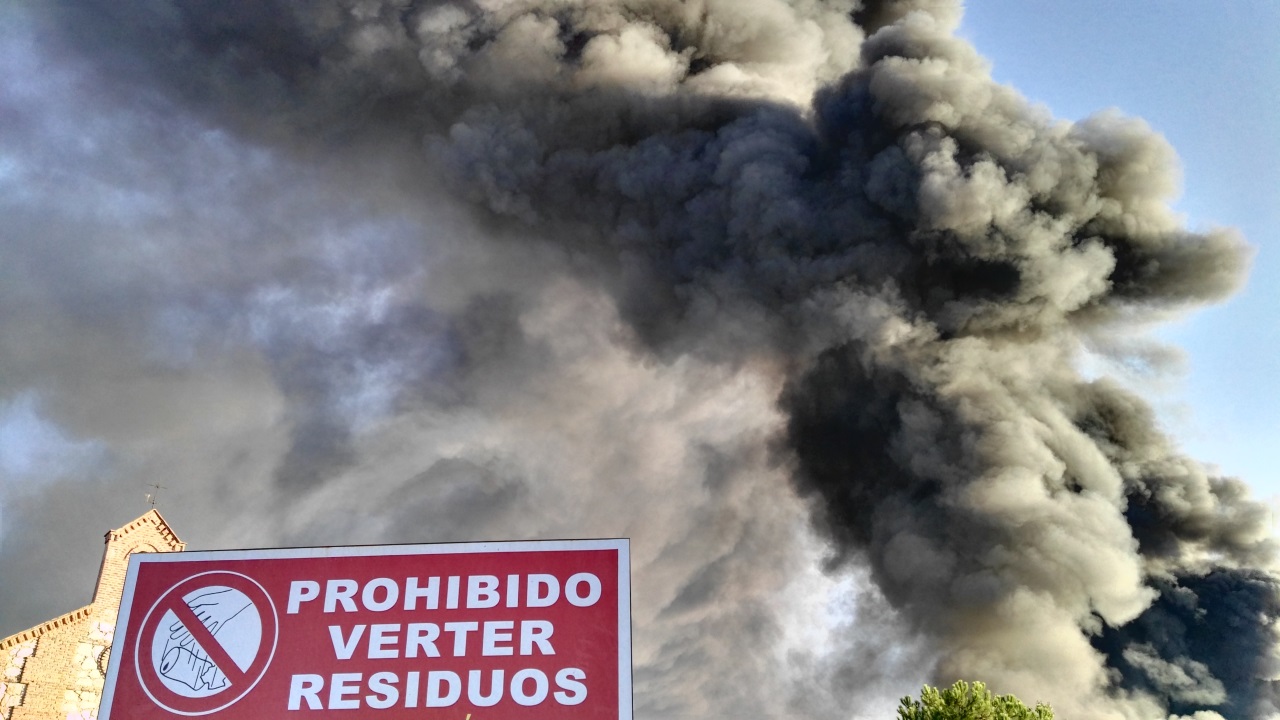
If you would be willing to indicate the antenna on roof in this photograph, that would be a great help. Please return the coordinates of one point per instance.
(151, 496)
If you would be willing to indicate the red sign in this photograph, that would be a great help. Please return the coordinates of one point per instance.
(494, 631)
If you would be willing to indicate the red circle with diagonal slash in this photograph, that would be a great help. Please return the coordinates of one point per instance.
(240, 682)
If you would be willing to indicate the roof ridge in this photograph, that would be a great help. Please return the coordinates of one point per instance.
(44, 627)
(153, 517)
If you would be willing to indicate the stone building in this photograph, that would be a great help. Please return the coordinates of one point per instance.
(55, 671)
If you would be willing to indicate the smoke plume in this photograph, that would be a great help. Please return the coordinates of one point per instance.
(791, 292)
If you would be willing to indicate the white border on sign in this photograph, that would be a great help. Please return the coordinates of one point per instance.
(621, 545)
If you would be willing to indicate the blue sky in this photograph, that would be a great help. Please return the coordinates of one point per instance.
(1206, 76)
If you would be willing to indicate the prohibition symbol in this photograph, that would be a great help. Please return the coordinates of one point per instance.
(206, 643)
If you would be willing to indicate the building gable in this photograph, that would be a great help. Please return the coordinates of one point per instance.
(55, 670)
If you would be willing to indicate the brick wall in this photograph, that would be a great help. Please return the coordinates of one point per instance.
(55, 670)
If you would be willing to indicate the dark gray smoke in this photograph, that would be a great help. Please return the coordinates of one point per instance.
(747, 243)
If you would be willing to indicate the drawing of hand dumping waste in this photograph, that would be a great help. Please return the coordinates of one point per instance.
(227, 618)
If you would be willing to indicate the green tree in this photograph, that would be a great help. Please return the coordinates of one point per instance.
(963, 701)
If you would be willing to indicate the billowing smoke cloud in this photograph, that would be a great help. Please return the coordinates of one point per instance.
(690, 272)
